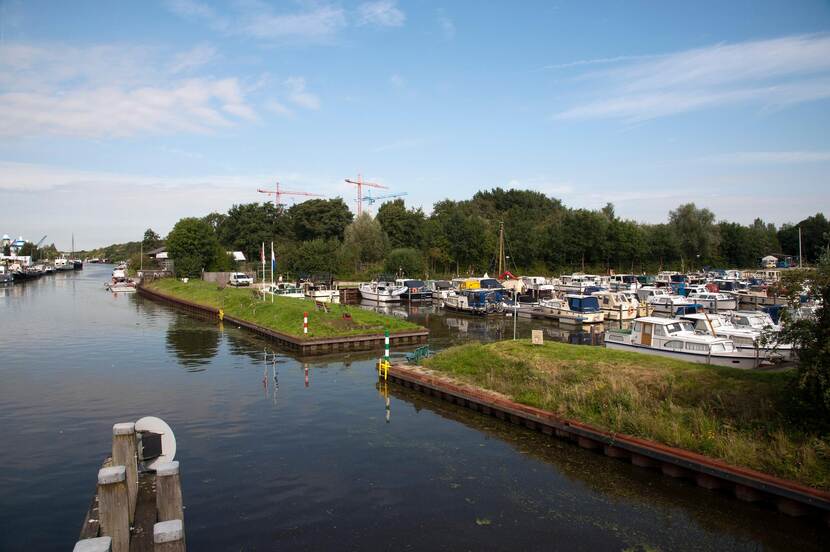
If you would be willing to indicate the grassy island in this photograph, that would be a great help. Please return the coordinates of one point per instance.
(285, 314)
(734, 415)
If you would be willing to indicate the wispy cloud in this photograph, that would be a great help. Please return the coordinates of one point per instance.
(109, 90)
(446, 24)
(767, 73)
(383, 13)
(770, 157)
(192, 59)
(310, 22)
(398, 145)
(298, 95)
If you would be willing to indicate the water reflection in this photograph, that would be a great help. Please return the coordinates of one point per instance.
(614, 486)
(192, 341)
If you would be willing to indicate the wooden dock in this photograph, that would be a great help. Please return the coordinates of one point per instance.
(312, 346)
(745, 484)
(132, 511)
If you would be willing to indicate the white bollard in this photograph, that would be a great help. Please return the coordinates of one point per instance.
(168, 536)
(98, 544)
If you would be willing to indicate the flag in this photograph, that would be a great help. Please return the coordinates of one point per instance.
(263, 254)
(273, 263)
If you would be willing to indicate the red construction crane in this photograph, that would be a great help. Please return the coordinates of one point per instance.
(359, 183)
(278, 193)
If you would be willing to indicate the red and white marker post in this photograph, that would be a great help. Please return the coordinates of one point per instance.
(305, 323)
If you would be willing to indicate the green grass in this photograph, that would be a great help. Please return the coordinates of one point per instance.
(285, 314)
(735, 415)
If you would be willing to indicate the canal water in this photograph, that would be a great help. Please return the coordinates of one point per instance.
(283, 453)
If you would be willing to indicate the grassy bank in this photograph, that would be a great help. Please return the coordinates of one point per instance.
(735, 415)
(284, 314)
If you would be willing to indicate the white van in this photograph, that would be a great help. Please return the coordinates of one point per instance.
(240, 279)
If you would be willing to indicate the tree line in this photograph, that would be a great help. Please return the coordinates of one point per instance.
(542, 236)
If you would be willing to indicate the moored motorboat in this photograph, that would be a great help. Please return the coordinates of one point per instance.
(416, 290)
(758, 343)
(715, 301)
(476, 301)
(381, 291)
(677, 339)
(573, 309)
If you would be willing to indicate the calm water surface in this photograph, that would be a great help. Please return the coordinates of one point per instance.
(270, 462)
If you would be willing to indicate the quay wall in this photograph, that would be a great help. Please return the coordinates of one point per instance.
(745, 484)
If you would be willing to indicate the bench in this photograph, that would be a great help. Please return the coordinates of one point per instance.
(416, 356)
(321, 306)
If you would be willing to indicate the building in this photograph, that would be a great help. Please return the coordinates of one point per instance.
(769, 261)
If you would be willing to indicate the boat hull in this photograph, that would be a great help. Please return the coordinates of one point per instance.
(743, 362)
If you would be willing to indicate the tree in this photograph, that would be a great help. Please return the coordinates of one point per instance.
(7, 250)
(151, 240)
(696, 232)
(810, 336)
(319, 218)
(365, 242)
(815, 237)
(246, 227)
(316, 257)
(192, 246)
(405, 228)
(406, 260)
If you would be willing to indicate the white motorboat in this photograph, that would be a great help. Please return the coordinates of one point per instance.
(321, 292)
(381, 291)
(577, 283)
(284, 289)
(575, 309)
(122, 286)
(440, 289)
(63, 264)
(617, 305)
(671, 305)
(715, 301)
(677, 339)
(5, 276)
(747, 340)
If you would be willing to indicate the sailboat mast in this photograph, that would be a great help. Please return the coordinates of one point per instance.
(501, 251)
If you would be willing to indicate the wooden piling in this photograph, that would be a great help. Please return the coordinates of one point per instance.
(124, 453)
(169, 492)
(114, 506)
(168, 536)
(97, 544)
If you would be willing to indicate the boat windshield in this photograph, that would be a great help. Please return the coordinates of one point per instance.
(583, 304)
(675, 327)
(413, 283)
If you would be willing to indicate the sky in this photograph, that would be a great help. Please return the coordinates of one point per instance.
(119, 116)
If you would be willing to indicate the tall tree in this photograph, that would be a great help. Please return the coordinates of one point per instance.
(192, 246)
(696, 232)
(151, 240)
(365, 242)
(405, 228)
(320, 218)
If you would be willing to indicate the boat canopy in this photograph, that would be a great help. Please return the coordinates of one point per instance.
(580, 303)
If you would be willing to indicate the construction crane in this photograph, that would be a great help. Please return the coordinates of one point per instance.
(370, 200)
(37, 245)
(278, 193)
(359, 183)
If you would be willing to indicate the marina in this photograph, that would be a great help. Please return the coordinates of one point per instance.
(189, 367)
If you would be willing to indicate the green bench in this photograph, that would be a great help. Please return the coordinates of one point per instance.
(416, 356)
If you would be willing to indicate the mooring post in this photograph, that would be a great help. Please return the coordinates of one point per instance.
(124, 452)
(98, 544)
(168, 536)
(114, 506)
(169, 491)
(305, 323)
(386, 346)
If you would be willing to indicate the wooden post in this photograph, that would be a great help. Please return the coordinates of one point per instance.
(169, 492)
(114, 506)
(124, 453)
(98, 544)
(168, 536)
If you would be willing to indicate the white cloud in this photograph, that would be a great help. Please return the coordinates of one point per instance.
(383, 13)
(298, 95)
(257, 19)
(113, 90)
(193, 58)
(767, 73)
(277, 107)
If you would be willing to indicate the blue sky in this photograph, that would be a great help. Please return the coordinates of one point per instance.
(117, 116)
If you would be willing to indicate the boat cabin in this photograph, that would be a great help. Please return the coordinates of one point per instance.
(582, 303)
